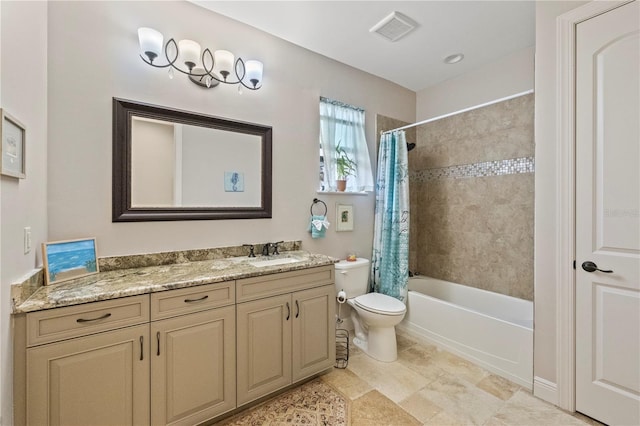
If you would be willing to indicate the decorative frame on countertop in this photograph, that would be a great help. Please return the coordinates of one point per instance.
(13, 148)
(344, 217)
(76, 266)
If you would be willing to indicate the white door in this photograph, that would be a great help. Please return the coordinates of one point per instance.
(608, 216)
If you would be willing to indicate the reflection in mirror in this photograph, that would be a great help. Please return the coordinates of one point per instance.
(177, 165)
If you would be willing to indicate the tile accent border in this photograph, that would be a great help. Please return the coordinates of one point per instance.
(484, 169)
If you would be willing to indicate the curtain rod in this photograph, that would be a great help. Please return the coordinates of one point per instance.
(429, 120)
(339, 103)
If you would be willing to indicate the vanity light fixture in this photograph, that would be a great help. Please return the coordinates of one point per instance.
(204, 68)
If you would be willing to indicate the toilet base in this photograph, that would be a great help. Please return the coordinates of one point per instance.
(380, 344)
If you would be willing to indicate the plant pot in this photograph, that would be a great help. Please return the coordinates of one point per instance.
(341, 184)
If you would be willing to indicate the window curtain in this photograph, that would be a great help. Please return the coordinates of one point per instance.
(390, 258)
(344, 124)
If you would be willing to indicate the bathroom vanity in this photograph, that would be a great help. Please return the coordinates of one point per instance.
(172, 344)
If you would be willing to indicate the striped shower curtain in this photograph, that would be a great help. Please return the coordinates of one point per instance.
(390, 259)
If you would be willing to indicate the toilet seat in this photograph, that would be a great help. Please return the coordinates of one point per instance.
(380, 304)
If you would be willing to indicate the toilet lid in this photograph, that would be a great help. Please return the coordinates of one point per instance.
(380, 303)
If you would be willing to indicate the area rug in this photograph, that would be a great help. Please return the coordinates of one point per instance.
(314, 403)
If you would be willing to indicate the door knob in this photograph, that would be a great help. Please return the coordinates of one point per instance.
(592, 267)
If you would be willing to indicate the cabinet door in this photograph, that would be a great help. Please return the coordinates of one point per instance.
(314, 346)
(100, 378)
(193, 367)
(264, 346)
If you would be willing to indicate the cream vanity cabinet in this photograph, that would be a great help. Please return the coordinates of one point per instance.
(193, 357)
(177, 357)
(79, 373)
(91, 363)
(285, 330)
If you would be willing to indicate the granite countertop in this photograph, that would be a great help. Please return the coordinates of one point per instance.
(151, 279)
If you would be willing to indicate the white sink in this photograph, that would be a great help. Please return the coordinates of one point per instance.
(274, 262)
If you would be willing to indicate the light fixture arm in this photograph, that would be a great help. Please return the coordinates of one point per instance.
(208, 65)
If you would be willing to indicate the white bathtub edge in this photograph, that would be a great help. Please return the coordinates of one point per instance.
(545, 390)
(429, 337)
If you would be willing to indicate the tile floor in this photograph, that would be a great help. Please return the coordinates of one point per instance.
(429, 386)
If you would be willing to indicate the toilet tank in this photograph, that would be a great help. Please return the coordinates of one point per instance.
(352, 277)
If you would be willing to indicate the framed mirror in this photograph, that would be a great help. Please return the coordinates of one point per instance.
(170, 164)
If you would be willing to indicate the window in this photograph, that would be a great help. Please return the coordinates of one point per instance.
(343, 147)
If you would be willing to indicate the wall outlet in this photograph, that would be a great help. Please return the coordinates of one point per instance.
(27, 239)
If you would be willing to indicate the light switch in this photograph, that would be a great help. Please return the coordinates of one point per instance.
(27, 239)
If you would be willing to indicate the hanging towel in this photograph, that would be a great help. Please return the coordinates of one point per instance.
(318, 226)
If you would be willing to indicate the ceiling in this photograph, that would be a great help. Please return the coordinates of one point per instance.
(483, 31)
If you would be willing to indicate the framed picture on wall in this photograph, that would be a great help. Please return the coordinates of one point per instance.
(344, 217)
(13, 146)
(65, 260)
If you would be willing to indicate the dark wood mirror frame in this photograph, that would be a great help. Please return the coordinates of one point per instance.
(123, 111)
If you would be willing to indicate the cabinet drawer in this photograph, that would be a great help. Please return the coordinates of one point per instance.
(64, 323)
(172, 303)
(286, 282)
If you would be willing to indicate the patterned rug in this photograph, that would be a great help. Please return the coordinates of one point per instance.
(314, 403)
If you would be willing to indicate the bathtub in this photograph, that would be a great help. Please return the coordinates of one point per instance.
(489, 329)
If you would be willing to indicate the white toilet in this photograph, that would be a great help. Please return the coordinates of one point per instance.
(374, 315)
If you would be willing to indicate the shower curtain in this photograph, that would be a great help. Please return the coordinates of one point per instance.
(390, 259)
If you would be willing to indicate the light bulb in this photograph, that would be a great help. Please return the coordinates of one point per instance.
(189, 53)
(254, 72)
(223, 60)
(150, 42)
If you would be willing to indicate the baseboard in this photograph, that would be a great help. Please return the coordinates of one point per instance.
(545, 390)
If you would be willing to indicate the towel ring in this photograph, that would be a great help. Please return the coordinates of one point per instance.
(316, 201)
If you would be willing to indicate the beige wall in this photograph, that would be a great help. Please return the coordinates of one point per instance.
(544, 362)
(23, 202)
(476, 231)
(86, 72)
(504, 77)
(153, 157)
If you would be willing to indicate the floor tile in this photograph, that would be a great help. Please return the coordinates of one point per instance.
(460, 367)
(444, 419)
(430, 386)
(373, 408)
(525, 409)
(462, 401)
(498, 386)
(348, 383)
(405, 341)
(420, 359)
(420, 407)
(392, 379)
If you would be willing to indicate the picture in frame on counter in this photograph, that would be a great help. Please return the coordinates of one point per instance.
(66, 260)
(344, 217)
(13, 146)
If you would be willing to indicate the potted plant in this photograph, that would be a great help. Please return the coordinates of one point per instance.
(345, 166)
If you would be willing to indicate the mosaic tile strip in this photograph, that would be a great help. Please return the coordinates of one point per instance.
(487, 168)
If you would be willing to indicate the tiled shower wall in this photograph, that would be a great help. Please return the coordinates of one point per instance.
(472, 198)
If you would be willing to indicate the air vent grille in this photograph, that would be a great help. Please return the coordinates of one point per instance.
(394, 27)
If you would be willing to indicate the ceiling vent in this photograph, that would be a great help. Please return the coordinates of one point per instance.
(394, 27)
